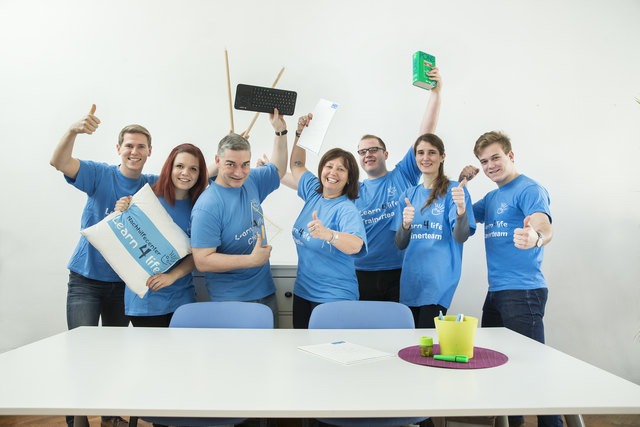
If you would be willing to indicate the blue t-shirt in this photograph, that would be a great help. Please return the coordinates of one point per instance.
(377, 202)
(324, 273)
(503, 210)
(230, 220)
(182, 291)
(433, 259)
(104, 185)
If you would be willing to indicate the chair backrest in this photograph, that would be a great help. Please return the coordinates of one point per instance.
(361, 315)
(228, 314)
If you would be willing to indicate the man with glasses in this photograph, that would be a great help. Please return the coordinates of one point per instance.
(379, 271)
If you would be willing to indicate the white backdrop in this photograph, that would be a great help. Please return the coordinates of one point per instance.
(558, 77)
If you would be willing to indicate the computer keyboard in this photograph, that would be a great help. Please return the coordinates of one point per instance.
(265, 99)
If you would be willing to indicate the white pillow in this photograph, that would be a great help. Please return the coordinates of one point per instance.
(140, 242)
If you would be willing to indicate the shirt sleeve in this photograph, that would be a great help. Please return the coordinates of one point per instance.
(307, 185)
(534, 199)
(267, 180)
(408, 168)
(206, 228)
(350, 222)
(478, 210)
(88, 176)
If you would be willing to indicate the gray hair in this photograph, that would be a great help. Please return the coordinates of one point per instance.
(234, 142)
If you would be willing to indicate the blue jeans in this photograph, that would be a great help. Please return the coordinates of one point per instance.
(520, 310)
(89, 300)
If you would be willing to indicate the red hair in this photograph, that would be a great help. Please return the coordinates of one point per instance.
(164, 186)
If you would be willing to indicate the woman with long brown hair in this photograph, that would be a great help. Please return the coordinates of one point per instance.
(434, 224)
(182, 179)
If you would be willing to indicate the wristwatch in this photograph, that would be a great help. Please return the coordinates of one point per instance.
(540, 240)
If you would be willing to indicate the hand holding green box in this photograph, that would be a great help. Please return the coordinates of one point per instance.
(422, 64)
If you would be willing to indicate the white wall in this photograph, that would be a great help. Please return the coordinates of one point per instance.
(558, 77)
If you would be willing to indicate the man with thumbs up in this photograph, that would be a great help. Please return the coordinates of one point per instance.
(95, 291)
(517, 226)
(227, 224)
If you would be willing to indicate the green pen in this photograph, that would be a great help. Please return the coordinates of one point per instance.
(459, 358)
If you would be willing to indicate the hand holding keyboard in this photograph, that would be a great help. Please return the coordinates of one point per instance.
(265, 99)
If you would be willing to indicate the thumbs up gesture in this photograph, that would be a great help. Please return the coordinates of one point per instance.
(260, 253)
(317, 229)
(457, 194)
(88, 124)
(525, 237)
(408, 214)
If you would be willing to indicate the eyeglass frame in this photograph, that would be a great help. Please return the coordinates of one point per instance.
(372, 150)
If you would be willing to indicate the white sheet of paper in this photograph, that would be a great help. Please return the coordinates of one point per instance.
(312, 136)
(344, 352)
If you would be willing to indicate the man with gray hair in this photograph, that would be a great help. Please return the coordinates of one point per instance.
(227, 224)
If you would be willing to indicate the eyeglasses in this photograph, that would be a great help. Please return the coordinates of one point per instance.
(371, 150)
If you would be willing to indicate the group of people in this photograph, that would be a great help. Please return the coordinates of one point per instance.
(390, 237)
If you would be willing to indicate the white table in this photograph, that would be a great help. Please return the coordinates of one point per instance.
(262, 374)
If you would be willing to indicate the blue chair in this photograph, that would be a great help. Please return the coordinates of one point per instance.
(361, 315)
(228, 314)
(364, 315)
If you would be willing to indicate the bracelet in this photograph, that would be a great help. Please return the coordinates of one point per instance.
(334, 238)
(284, 132)
(298, 134)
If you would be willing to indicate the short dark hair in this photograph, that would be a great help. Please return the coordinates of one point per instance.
(353, 172)
(367, 136)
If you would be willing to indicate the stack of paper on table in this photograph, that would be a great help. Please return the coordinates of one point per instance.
(345, 352)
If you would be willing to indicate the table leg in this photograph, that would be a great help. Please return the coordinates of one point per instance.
(502, 421)
(574, 420)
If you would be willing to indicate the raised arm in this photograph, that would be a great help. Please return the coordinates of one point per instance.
(299, 155)
(209, 260)
(432, 112)
(62, 158)
(279, 154)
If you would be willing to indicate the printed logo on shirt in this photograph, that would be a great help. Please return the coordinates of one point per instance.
(385, 211)
(496, 229)
(503, 207)
(438, 208)
(392, 192)
(428, 230)
(300, 234)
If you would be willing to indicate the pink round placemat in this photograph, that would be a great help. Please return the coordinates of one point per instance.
(482, 358)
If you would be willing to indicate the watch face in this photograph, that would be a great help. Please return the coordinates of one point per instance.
(539, 241)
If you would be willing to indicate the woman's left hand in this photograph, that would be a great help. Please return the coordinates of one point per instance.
(159, 281)
(457, 194)
(317, 230)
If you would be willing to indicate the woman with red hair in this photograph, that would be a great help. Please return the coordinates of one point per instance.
(182, 179)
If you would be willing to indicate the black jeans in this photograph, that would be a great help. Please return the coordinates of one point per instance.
(382, 285)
